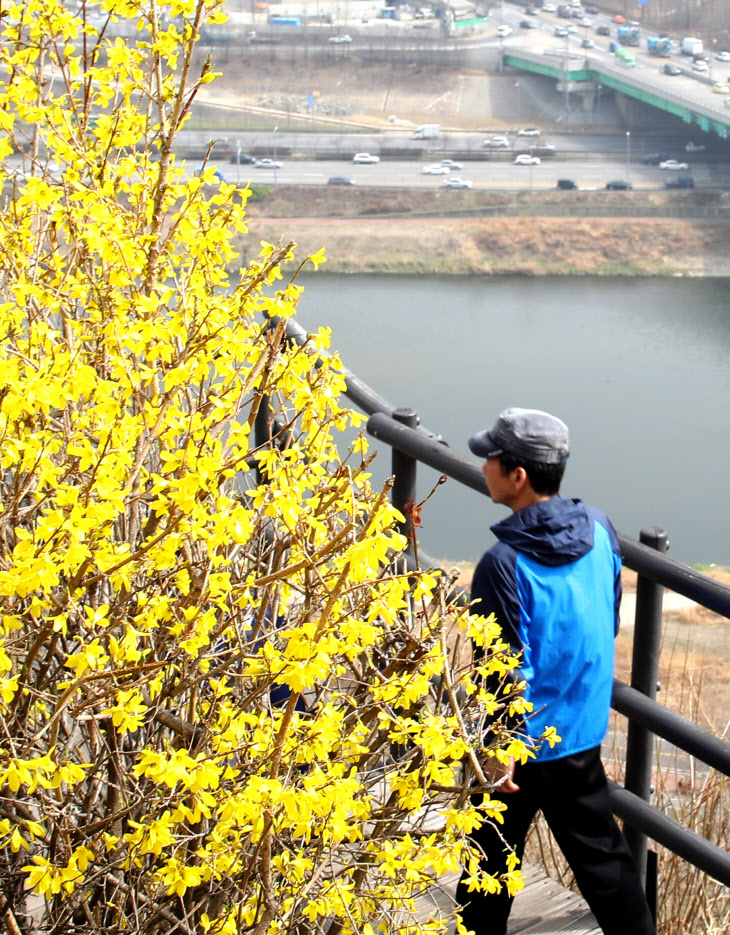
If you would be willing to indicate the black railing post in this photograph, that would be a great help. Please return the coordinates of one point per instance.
(644, 675)
(404, 472)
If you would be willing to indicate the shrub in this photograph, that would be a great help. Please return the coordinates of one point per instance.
(223, 706)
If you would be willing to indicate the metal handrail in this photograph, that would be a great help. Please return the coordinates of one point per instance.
(655, 570)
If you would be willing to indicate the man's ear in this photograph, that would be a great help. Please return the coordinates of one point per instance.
(520, 479)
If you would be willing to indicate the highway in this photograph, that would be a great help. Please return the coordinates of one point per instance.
(488, 175)
(691, 86)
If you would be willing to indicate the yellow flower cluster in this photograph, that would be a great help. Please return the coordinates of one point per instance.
(220, 709)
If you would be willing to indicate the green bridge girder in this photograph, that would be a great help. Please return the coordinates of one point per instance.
(606, 80)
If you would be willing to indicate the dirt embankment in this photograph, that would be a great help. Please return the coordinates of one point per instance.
(411, 231)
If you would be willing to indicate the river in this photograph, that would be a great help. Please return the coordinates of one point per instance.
(638, 368)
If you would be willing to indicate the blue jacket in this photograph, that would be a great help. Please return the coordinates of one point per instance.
(553, 583)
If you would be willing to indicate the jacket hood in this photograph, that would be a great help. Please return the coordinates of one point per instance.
(553, 532)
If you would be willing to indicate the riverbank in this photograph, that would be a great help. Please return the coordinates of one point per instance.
(406, 231)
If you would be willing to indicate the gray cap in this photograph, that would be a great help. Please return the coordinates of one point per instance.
(524, 433)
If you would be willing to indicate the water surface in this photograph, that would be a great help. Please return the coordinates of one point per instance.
(636, 367)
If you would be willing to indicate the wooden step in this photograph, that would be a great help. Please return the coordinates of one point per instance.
(543, 907)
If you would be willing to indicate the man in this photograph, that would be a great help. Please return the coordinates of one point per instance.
(553, 583)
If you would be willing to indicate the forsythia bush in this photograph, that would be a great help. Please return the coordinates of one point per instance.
(223, 708)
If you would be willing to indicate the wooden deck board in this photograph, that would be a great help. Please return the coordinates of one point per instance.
(543, 907)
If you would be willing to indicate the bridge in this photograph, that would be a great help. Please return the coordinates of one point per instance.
(588, 72)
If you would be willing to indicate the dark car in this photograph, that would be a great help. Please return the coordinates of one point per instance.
(682, 181)
(619, 185)
(566, 184)
(603, 31)
(672, 70)
(591, 10)
(340, 180)
(243, 159)
(528, 24)
(701, 57)
(654, 159)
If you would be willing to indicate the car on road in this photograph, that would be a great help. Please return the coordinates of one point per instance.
(528, 24)
(549, 7)
(681, 181)
(435, 169)
(340, 180)
(719, 88)
(592, 10)
(340, 40)
(531, 11)
(450, 164)
(504, 30)
(694, 147)
(673, 165)
(525, 159)
(457, 183)
(672, 69)
(618, 19)
(572, 29)
(723, 56)
(654, 159)
(497, 142)
(536, 149)
(243, 159)
(603, 31)
(619, 185)
(700, 66)
(528, 131)
(585, 22)
(566, 184)
(267, 164)
(365, 159)
(587, 43)
(560, 31)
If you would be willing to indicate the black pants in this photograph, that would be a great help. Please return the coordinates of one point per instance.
(572, 794)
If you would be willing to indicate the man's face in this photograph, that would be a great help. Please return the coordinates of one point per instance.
(497, 483)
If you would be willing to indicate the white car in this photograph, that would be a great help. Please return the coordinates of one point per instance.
(548, 7)
(723, 56)
(497, 142)
(340, 40)
(528, 131)
(267, 164)
(503, 31)
(524, 159)
(365, 159)
(435, 169)
(450, 164)
(673, 164)
(695, 147)
(587, 23)
(699, 66)
(457, 183)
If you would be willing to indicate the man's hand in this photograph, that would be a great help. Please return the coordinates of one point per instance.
(501, 775)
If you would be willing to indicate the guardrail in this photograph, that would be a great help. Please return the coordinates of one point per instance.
(411, 444)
